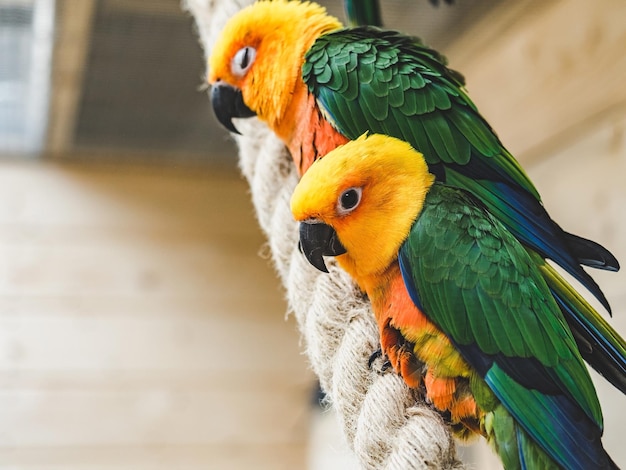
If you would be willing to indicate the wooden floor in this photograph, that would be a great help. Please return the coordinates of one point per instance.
(139, 327)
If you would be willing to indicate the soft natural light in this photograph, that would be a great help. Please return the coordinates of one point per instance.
(26, 38)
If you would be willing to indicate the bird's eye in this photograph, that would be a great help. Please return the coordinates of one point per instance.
(242, 61)
(349, 200)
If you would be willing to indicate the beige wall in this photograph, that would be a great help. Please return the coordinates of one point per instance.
(139, 327)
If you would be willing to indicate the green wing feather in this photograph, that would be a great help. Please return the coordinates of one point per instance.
(479, 284)
(377, 73)
(474, 280)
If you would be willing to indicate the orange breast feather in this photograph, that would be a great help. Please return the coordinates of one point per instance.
(306, 132)
(423, 355)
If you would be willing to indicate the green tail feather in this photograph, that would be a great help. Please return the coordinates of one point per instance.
(599, 344)
(512, 444)
(506, 438)
(363, 12)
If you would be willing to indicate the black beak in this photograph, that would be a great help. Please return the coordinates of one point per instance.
(227, 104)
(318, 240)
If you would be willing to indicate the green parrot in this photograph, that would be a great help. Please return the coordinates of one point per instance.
(462, 307)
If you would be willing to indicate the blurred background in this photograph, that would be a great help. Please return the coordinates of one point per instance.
(141, 323)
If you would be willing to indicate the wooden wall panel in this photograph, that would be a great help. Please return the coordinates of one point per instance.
(542, 72)
(139, 327)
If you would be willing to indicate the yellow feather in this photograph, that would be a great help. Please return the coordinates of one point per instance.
(281, 32)
(394, 179)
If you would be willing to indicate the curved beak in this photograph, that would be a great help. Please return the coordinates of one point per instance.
(318, 240)
(227, 104)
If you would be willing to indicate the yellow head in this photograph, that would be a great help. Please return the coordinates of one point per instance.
(260, 53)
(370, 191)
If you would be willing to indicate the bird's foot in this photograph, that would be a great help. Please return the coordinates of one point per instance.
(378, 354)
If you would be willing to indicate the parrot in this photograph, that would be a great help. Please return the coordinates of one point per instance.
(318, 85)
(462, 307)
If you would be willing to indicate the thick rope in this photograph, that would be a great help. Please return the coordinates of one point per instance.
(385, 423)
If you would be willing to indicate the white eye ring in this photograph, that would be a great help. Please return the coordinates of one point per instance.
(243, 60)
(349, 200)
